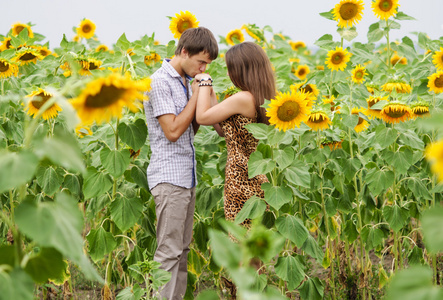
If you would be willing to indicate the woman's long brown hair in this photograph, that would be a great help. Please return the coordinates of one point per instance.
(250, 70)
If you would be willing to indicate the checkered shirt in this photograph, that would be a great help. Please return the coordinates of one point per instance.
(171, 162)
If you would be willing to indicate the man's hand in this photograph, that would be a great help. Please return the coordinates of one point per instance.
(200, 76)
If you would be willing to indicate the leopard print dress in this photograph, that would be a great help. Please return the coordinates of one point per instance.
(238, 186)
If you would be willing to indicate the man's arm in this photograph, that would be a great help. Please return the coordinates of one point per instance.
(175, 125)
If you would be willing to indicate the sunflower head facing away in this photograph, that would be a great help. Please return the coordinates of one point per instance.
(18, 27)
(434, 154)
(337, 59)
(362, 123)
(288, 110)
(181, 22)
(7, 68)
(435, 82)
(318, 120)
(6, 43)
(348, 12)
(86, 29)
(302, 71)
(235, 37)
(383, 9)
(253, 31)
(372, 88)
(396, 112)
(105, 97)
(437, 59)
(420, 108)
(375, 113)
(297, 45)
(358, 74)
(152, 58)
(89, 64)
(27, 55)
(400, 86)
(36, 101)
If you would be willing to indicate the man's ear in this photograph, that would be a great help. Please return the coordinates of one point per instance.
(184, 53)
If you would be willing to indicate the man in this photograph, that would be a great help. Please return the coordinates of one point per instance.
(171, 173)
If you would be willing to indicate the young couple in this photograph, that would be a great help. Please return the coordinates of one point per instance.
(174, 112)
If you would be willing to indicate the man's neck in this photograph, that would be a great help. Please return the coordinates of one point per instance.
(175, 62)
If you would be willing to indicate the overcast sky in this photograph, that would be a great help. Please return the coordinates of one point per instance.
(299, 19)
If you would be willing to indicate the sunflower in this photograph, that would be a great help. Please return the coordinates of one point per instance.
(434, 154)
(318, 120)
(302, 71)
(105, 97)
(181, 22)
(235, 37)
(337, 59)
(76, 38)
(362, 123)
(358, 74)
(348, 12)
(397, 59)
(319, 67)
(86, 29)
(232, 90)
(383, 9)
(83, 131)
(44, 51)
(152, 59)
(101, 47)
(396, 112)
(372, 88)
(288, 110)
(400, 86)
(437, 59)
(420, 108)
(252, 31)
(88, 65)
(7, 69)
(297, 45)
(310, 88)
(27, 55)
(435, 82)
(37, 100)
(375, 113)
(294, 60)
(333, 145)
(18, 27)
(6, 44)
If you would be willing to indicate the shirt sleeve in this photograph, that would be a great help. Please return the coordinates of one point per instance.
(160, 97)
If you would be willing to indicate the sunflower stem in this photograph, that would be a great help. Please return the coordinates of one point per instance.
(388, 44)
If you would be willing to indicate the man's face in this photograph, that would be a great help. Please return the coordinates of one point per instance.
(195, 64)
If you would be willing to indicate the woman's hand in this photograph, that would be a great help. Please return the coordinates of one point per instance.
(200, 76)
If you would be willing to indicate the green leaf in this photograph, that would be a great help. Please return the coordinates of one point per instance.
(396, 216)
(411, 139)
(139, 176)
(284, 157)
(200, 234)
(7, 255)
(298, 174)
(379, 180)
(431, 223)
(401, 160)
(253, 208)
(131, 293)
(313, 249)
(16, 169)
(134, 134)
(293, 229)
(72, 183)
(419, 189)
(100, 243)
(257, 165)
(123, 43)
(385, 136)
(56, 224)
(290, 270)
(16, 285)
(348, 33)
(350, 121)
(46, 264)
(96, 183)
(312, 289)
(125, 212)
(375, 33)
(49, 180)
(224, 251)
(328, 15)
(325, 42)
(373, 236)
(402, 16)
(414, 283)
(115, 161)
(276, 196)
(259, 130)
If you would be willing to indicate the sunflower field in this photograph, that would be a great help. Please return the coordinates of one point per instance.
(354, 158)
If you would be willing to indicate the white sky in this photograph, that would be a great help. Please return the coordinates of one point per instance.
(299, 19)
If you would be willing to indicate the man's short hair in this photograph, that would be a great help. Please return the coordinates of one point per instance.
(196, 40)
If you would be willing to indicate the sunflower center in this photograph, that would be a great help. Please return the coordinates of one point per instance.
(337, 58)
(396, 113)
(3, 67)
(348, 11)
(106, 97)
(301, 72)
(19, 28)
(86, 28)
(372, 102)
(385, 5)
(288, 111)
(237, 37)
(308, 88)
(40, 99)
(92, 66)
(8, 44)
(27, 56)
(183, 25)
(439, 81)
(320, 118)
(359, 74)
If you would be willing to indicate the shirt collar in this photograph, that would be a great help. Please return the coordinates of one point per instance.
(170, 69)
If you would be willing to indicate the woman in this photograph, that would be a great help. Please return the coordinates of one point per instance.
(249, 70)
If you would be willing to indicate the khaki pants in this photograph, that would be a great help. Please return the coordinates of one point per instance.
(174, 207)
